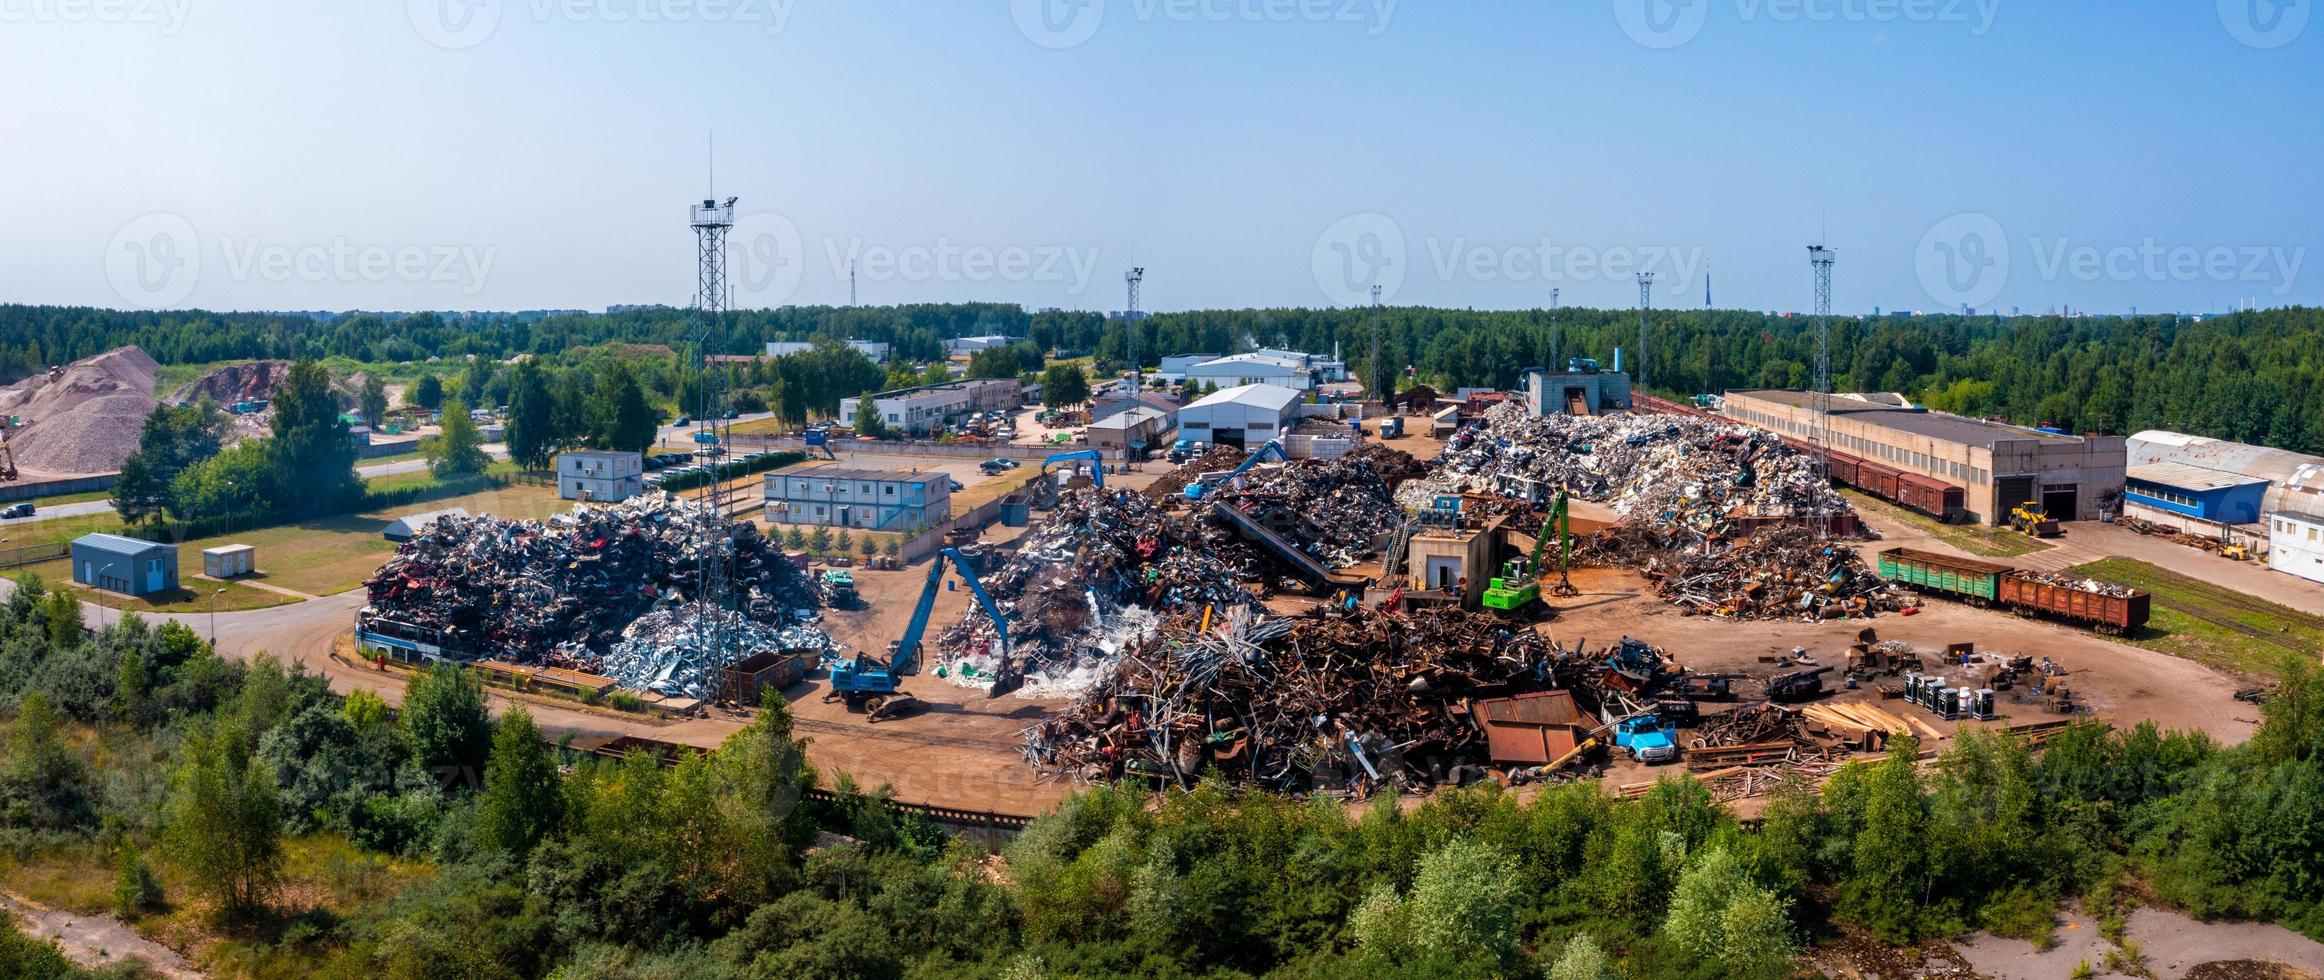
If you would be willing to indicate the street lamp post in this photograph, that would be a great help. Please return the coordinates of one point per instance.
(214, 619)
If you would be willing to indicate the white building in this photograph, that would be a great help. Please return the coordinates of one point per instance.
(1136, 427)
(876, 500)
(1295, 371)
(876, 350)
(1249, 415)
(599, 475)
(2296, 544)
(965, 346)
(921, 410)
(1175, 366)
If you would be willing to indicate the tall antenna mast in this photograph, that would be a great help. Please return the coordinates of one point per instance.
(1645, 300)
(1380, 381)
(1556, 339)
(711, 221)
(1821, 259)
(1132, 278)
(851, 282)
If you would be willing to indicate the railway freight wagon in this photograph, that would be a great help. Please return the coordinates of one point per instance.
(1983, 583)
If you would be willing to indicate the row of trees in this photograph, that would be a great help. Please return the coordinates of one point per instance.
(138, 748)
(182, 469)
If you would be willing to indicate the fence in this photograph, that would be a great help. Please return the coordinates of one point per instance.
(33, 554)
(55, 488)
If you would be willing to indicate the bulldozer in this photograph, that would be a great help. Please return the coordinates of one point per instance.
(2034, 520)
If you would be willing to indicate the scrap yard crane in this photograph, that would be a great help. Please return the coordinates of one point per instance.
(1097, 461)
(1519, 584)
(873, 685)
(1203, 483)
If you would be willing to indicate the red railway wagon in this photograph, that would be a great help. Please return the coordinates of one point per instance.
(1942, 501)
(1877, 480)
(1846, 468)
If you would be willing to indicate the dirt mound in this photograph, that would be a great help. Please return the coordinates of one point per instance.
(255, 381)
(84, 418)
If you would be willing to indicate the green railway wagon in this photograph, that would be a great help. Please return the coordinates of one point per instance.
(1967, 578)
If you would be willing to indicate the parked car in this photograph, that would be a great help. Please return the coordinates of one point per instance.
(684, 420)
(957, 486)
(15, 511)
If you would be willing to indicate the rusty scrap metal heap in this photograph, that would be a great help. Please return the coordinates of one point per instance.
(562, 591)
(1774, 573)
(1394, 465)
(2078, 583)
(1069, 589)
(1334, 509)
(1662, 468)
(1305, 704)
(1213, 460)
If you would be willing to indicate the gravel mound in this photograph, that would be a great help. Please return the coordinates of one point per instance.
(87, 418)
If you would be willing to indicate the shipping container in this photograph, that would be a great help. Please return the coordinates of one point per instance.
(1966, 578)
(1937, 499)
(2110, 614)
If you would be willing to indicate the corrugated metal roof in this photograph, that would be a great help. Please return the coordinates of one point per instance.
(1935, 425)
(1274, 398)
(1126, 419)
(114, 544)
(2193, 478)
(2261, 462)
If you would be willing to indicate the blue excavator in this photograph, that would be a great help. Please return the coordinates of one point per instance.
(1096, 460)
(874, 685)
(1203, 483)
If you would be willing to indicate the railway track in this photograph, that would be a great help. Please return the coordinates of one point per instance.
(2202, 600)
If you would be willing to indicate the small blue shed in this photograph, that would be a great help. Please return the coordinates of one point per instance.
(125, 565)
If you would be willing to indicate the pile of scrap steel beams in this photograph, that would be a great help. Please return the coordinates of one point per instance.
(1087, 581)
(1313, 704)
(1337, 510)
(562, 592)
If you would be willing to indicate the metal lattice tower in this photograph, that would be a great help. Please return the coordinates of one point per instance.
(1380, 382)
(1821, 258)
(1556, 339)
(1645, 302)
(711, 221)
(1134, 278)
(851, 284)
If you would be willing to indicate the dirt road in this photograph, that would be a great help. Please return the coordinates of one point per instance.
(97, 941)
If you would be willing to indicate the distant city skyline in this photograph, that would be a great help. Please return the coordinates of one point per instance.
(525, 154)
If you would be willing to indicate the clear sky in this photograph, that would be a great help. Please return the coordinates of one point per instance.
(517, 154)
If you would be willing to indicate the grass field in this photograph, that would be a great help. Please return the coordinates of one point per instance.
(2211, 624)
(1991, 542)
(318, 557)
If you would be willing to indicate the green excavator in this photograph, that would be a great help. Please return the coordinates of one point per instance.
(1518, 586)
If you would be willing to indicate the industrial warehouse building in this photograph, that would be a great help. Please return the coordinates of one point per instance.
(919, 411)
(879, 500)
(1580, 389)
(876, 350)
(1996, 467)
(1135, 428)
(125, 565)
(2270, 499)
(600, 476)
(1247, 416)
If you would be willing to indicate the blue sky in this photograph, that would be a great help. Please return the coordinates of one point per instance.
(472, 154)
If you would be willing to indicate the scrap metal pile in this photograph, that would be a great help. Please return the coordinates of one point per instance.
(1662, 468)
(1306, 704)
(1774, 573)
(1086, 583)
(1216, 459)
(2077, 583)
(679, 650)
(566, 592)
(1334, 509)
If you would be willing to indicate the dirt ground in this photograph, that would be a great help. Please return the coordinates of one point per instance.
(2175, 947)
(96, 941)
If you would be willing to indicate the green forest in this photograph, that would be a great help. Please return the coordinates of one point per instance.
(279, 829)
(2254, 377)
